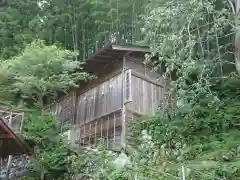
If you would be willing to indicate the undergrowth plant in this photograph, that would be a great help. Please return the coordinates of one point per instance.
(99, 163)
(192, 43)
(40, 72)
(51, 153)
(205, 138)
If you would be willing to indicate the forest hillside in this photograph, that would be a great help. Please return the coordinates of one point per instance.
(43, 45)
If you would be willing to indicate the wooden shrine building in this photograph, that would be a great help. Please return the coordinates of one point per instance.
(11, 141)
(124, 89)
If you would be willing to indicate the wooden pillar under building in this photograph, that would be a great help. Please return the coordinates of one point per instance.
(89, 134)
(123, 134)
(114, 131)
(95, 131)
(107, 136)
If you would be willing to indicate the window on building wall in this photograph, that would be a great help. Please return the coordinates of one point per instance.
(128, 87)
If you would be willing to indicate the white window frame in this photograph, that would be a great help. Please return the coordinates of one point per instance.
(128, 89)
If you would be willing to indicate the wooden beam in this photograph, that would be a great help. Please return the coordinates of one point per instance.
(134, 73)
(123, 119)
(115, 53)
(96, 119)
(103, 56)
(130, 48)
(135, 112)
(102, 62)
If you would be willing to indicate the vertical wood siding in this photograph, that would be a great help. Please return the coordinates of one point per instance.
(146, 96)
(100, 100)
(137, 66)
(107, 127)
(64, 110)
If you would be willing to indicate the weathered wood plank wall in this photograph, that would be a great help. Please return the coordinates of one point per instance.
(67, 108)
(135, 62)
(107, 127)
(100, 100)
(147, 97)
(148, 87)
(64, 110)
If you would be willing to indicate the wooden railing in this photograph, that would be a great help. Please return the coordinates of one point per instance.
(13, 118)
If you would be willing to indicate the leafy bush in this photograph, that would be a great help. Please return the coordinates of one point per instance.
(41, 71)
(51, 153)
(208, 131)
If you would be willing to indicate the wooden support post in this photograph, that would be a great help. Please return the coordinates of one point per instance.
(101, 126)
(80, 137)
(143, 98)
(96, 132)
(152, 100)
(107, 131)
(114, 130)
(21, 125)
(83, 135)
(94, 99)
(123, 105)
(89, 134)
(9, 165)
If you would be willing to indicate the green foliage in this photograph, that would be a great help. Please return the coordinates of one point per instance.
(93, 163)
(204, 137)
(80, 25)
(100, 163)
(15, 33)
(38, 132)
(193, 42)
(51, 155)
(41, 71)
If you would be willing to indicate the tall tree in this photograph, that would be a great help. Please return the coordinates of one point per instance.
(88, 25)
(78, 25)
(16, 18)
(41, 71)
(193, 41)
